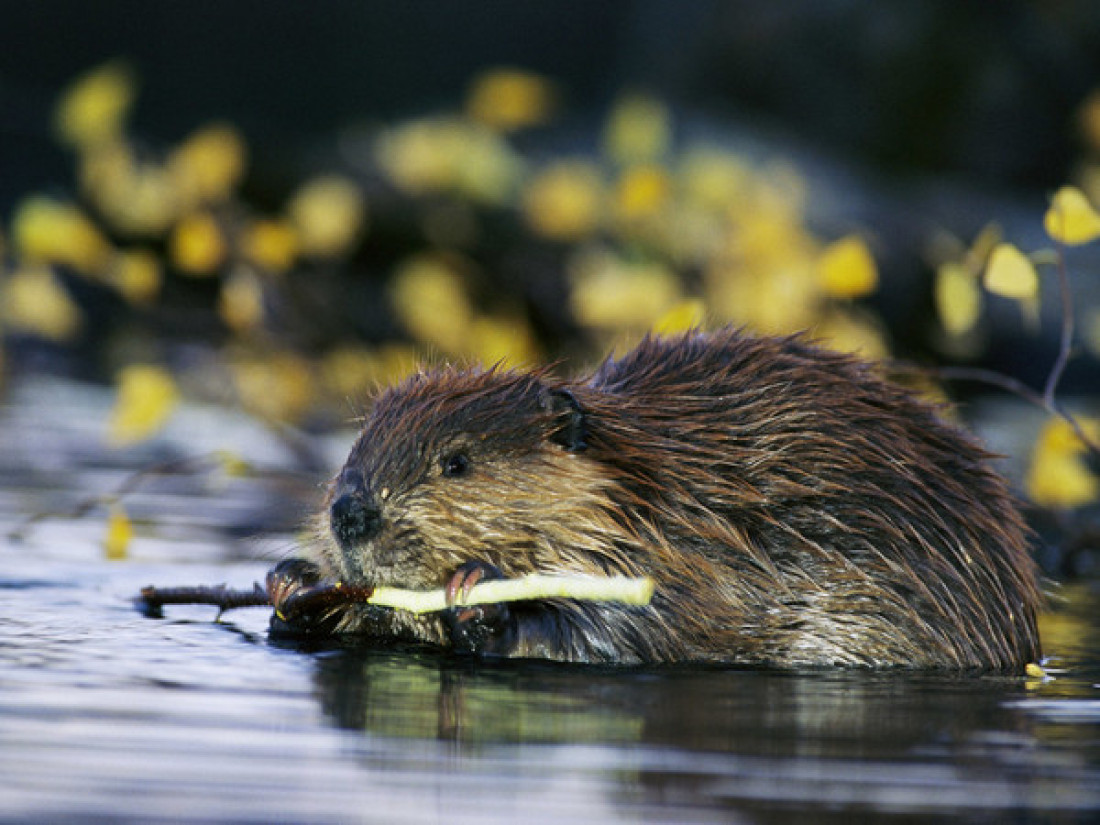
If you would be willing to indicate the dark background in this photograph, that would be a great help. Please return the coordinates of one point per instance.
(984, 91)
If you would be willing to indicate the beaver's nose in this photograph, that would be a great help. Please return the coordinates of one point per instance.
(353, 515)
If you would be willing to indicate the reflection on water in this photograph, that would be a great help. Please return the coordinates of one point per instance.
(107, 716)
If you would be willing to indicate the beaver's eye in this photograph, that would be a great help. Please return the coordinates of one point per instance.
(456, 464)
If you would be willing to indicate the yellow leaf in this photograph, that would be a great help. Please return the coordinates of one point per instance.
(93, 108)
(1035, 671)
(275, 387)
(135, 197)
(448, 153)
(209, 164)
(639, 130)
(350, 373)
(120, 532)
(510, 99)
(430, 297)
(136, 275)
(328, 214)
(1058, 475)
(241, 302)
(51, 231)
(641, 192)
(851, 332)
(502, 338)
(1071, 219)
(33, 300)
(1062, 482)
(847, 270)
(197, 246)
(957, 297)
(1011, 274)
(683, 316)
(565, 200)
(712, 178)
(272, 245)
(1058, 437)
(147, 397)
(613, 294)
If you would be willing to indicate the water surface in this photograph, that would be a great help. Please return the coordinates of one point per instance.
(108, 716)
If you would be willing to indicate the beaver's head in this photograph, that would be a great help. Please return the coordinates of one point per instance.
(454, 466)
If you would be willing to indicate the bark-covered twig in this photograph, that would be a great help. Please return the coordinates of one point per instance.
(324, 596)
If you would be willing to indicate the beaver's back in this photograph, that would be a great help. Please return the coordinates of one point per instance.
(802, 510)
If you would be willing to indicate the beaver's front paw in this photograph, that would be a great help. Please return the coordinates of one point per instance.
(483, 629)
(285, 580)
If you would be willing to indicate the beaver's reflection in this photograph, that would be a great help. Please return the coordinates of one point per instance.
(849, 714)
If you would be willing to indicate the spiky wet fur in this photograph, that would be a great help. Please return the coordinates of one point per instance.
(793, 508)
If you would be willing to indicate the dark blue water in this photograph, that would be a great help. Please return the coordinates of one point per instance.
(108, 716)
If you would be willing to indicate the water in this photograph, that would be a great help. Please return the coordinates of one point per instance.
(108, 716)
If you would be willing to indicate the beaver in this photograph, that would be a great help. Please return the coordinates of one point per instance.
(793, 507)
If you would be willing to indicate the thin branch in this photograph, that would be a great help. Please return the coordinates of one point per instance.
(152, 599)
(1065, 345)
(1014, 386)
(327, 595)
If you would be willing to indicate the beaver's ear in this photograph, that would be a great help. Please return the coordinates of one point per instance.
(569, 423)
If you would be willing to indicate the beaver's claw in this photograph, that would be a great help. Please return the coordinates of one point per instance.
(481, 628)
(283, 581)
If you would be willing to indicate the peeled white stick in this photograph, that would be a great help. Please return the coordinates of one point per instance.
(621, 589)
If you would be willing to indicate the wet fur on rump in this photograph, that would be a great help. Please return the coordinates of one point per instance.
(793, 508)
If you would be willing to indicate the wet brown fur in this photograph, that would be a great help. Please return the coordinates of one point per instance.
(793, 508)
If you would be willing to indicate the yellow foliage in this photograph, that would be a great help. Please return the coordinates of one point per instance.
(271, 244)
(430, 297)
(957, 297)
(686, 314)
(449, 154)
(1058, 475)
(642, 192)
(564, 202)
(1033, 670)
(781, 298)
(984, 243)
(510, 99)
(209, 164)
(328, 214)
(613, 294)
(353, 372)
(847, 269)
(136, 274)
(275, 387)
(502, 338)
(136, 198)
(767, 275)
(852, 332)
(241, 301)
(120, 532)
(1071, 219)
(93, 108)
(33, 300)
(197, 246)
(1011, 274)
(712, 179)
(638, 130)
(50, 231)
(146, 398)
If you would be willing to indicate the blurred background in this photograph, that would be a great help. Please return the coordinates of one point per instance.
(281, 206)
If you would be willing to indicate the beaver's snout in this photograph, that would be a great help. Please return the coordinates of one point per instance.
(354, 516)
